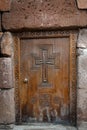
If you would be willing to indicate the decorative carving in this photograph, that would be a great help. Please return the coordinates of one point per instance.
(16, 67)
(57, 100)
(34, 100)
(45, 100)
(73, 38)
(45, 60)
(47, 34)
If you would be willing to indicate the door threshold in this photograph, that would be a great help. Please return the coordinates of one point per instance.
(43, 126)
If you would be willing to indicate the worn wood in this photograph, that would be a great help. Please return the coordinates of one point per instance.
(45, 72)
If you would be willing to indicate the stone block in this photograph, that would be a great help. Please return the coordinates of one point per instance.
(82, 105)
(7, 44)
(7, 106)
(1, 35)
(0, 21)
(82, 59)
(82, 4)
(82, 69)
(7, 127)
(44, 127)
(5, 5)
(43, 14)
(82, 39)
(82, 126)
(6, 73)
(82, 78)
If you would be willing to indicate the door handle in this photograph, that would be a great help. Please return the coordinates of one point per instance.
(25, 80)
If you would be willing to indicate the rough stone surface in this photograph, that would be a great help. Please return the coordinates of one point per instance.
(44, 14)
(0, 36)
(82, 69)
(82, 105)
(7, 44)
(82, 39)
(7, 107)
(6, 73)
(0, 21)
(5, 5)
(82, 77)
(82, 126)
(82, 4)
(7, 127)
(44, 127)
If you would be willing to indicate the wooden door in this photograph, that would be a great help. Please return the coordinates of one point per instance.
(44, 80)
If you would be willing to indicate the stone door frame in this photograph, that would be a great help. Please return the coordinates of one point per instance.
(72, 35)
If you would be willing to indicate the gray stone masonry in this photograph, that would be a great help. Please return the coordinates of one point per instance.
(7, 107)
(7, 103)
(82, 80)
(0, 21)
(7, 44)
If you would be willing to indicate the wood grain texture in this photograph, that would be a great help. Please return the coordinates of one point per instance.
(52, 98)
(46, 83)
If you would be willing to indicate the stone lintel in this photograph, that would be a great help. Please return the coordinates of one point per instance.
(25, 15)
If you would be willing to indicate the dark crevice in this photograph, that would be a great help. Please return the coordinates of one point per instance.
(2, 89)
(4, 56)
(81, 47)
(76, 4)
(1, 23)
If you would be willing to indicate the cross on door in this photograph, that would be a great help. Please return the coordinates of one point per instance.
(44, 61)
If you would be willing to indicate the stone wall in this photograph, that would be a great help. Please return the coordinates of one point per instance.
(18, 15)
(7, 104)
(82, 78)
(0, 21)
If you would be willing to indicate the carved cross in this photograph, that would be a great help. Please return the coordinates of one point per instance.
(44, 60)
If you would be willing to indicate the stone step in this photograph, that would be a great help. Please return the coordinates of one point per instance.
(44, 127)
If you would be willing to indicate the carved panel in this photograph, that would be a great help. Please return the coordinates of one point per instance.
(57, 100)
(46, 34)
(45, 60)
(45, 100)
(38, 62)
